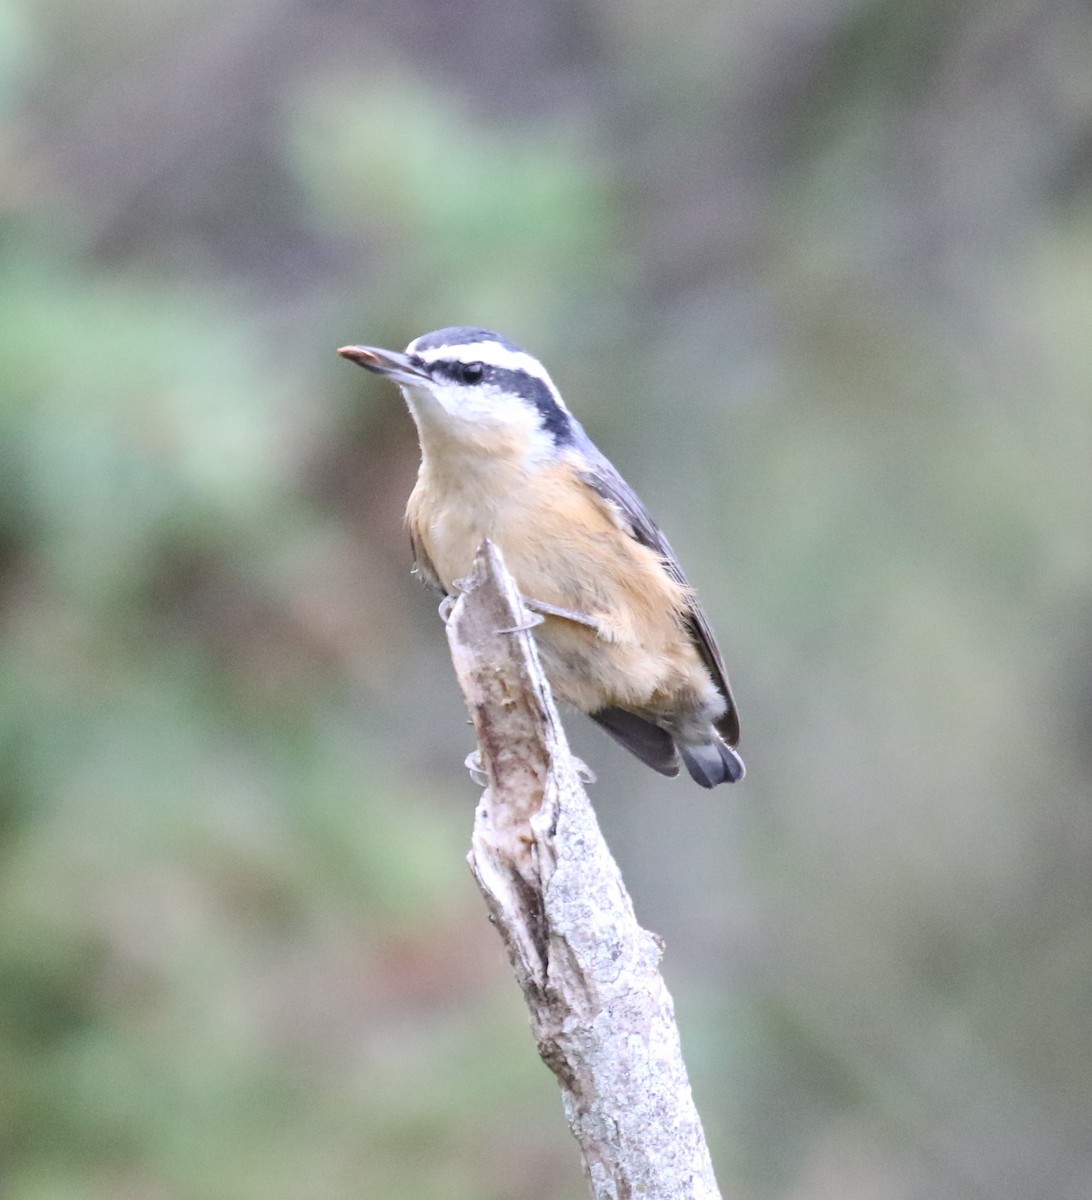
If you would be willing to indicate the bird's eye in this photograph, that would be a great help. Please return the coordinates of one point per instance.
(470, 373)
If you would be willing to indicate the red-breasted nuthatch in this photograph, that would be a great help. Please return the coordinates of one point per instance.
(622, 637)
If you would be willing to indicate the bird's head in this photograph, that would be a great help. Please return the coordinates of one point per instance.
(471, 385)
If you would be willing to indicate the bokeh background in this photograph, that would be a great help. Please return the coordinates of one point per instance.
(817, 274)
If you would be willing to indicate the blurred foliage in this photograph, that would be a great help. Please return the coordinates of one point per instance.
(815, 276)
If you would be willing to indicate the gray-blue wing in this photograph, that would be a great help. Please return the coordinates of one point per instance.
(600, 474)
(423, 568)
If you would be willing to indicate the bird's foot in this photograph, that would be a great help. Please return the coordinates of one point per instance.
(539, 610)
(552, 610)
(458, 587)
(532, 619)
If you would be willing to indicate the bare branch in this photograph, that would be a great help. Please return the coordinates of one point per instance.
(602, 1017)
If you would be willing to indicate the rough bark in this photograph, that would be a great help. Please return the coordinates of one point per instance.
(602, 1017)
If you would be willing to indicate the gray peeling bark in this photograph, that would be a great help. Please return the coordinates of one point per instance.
(602, 1017)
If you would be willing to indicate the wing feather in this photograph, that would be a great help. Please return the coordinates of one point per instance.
(422, 566)
(601, 475)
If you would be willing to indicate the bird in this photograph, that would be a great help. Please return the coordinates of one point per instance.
(621, 635)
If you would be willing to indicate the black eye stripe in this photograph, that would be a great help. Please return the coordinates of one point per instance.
(555, 420)
(457, 371)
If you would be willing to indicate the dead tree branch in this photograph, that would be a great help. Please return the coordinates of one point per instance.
(601, 1015)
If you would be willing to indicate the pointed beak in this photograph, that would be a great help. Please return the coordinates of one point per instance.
(398, 367)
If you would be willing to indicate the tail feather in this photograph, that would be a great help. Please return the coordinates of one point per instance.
(710, 763)
(654, 746)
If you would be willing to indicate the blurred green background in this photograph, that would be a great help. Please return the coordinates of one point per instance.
(817, 275)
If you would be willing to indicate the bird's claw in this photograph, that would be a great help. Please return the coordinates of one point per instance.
(529, 622)
(584, 773)
(473, 763)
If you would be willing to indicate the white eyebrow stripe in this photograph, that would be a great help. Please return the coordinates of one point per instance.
(491, 353)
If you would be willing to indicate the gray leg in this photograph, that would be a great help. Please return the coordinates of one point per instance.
(540, 610)
(566, 614)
